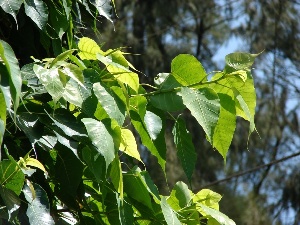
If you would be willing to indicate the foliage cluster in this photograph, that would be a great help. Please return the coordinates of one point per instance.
(78, 113)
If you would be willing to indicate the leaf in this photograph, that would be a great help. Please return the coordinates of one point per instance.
(129, 78)
(207, 197)
(2, 117)
(135, 187)
(180, 196)
(240, 60)
(227, 120)
(225, 128)
(220, 217)
(116, 176)
(185, 148)
(62, 57)
(95, 163)
(110, 103)
(11, 176)
(101, 138)
(68, 170)
(88, 49)
(187, 70)
(12, 67)
(59, 20)
(37, 10)
(204, 105)
(38, 210)
(168, 212)
(11, 201)
(74, 72)
(11, 7)
(138, 103)
(153, 124)
(72, 93)
(128, 144)
(35, 163)
(156, 147)
(51, 80)
(103, 7)
(245, 108)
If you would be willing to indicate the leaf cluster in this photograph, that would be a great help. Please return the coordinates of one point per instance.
(79, 113)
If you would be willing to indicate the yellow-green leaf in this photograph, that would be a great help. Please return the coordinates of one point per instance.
(88, 49)
(128, 144)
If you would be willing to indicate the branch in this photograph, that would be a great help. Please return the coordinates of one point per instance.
(251, 170)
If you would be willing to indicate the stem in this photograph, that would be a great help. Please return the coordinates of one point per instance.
(178, 88)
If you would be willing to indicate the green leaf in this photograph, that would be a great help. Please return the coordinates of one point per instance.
(37, 10)
(62, 57)
(11, 176)
(153, 124)
(12, 67)
(116, 176)
(156, 147)
(128, 144)
(245, 108)
(72, 93)
(11, 7)
(68, 170)
(225, 128)
(51, 80)
(96, 163)
(187, 70)
(103, 7)
(240, 60)
(2, 117)
(227, 120)
(180, 196)
(129, 78)
(74, 72)
(204, 105)
(135, 187)
(168, 212)
(59, 20)
(110, 103)
(88, 49)
(208, 198)
(101, 138)
(138, 103)
(11, 201)
(185, 148)
(38, 210)
(220, 217)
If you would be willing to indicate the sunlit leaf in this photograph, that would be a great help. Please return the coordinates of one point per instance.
(116, 176)
(187, 70)
(207, 197)
(204, 105)
(180, 196)
(101, 138)
(11, 175)
(103, 7)
(12, 66)
(88, 49)
(240, 60)
(51, 80)
(37, 10)
(38, 210)
(11, 7)
(168, 212)
(110, 103)
(217, 215)
(2, 117)
(153, 124)
(128, 144)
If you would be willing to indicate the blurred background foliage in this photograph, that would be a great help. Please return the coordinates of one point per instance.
(154, 32)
